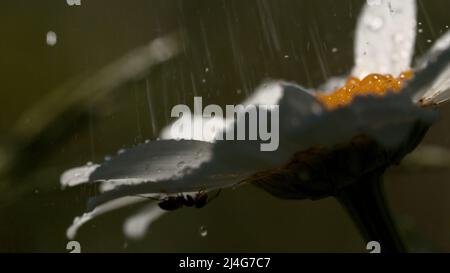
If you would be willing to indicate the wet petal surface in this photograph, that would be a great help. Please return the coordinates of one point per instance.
(385, 37)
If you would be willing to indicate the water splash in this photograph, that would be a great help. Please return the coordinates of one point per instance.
(51, 38)
(203, 231)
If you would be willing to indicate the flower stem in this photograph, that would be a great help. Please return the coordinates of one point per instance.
(366, 204)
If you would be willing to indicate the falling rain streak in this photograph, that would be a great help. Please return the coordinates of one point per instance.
(138, 115)
(237, 54)
(150, 108)
(430, 25)
(268, 29)
(318, 49)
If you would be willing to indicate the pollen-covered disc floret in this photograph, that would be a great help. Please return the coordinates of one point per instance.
(373, 84)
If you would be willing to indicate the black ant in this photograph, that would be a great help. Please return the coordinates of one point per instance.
(171, 203)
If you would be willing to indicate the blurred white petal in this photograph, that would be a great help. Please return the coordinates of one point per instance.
(439, 91)
(136, 226)
(77, 176)
(427, 157)
(104, 208)
(385, 37)
(438, 47)
(434, 72)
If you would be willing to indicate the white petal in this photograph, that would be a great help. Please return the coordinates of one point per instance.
(153, 161)
(267, 94)
(77, 176)
(425, 79)
(388, 120)
(104, 208)
(439, 91)
(385, 37)
(136, 226)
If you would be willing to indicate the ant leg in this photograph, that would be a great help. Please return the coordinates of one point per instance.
(189, 201)
(215, 196)
(202, 199)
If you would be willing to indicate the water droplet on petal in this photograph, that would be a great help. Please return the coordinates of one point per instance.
(51, 38)
(374, 23)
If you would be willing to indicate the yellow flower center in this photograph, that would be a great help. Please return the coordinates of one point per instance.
(373, 84)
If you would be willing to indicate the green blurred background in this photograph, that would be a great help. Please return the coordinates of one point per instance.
(232, 47)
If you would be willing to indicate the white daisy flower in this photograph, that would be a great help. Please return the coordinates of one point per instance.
(332, 140)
